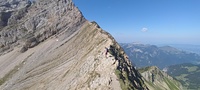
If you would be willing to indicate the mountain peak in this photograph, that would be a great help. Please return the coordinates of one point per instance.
(50, 45)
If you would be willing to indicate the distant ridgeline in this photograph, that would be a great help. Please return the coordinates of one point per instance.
(187, 47)
(150, 55)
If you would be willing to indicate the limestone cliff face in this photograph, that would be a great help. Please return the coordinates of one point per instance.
(156, 79)
(52, 47)
(27, 24)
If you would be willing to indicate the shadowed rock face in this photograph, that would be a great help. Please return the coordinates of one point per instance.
(48, 45)
(11, 5)
(7, 9)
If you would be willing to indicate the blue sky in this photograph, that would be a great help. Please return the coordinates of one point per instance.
(146, 21)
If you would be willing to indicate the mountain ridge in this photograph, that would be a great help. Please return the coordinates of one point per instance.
(53, 47)
(156, 79)
(151, 55)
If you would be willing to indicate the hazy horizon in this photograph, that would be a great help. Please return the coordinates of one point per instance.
(153, 22)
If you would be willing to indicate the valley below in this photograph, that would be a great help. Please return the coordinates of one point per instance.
(50, 45)
(181, 65)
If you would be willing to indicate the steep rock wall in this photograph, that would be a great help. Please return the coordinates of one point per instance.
(32, 23)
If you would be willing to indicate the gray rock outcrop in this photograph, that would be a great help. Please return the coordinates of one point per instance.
(23, 22)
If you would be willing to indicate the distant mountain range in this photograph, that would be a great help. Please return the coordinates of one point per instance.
(187, 47)
(151, 55)
(187, 74)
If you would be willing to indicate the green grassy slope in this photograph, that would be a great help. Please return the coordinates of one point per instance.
(156, 79)
(187, 74)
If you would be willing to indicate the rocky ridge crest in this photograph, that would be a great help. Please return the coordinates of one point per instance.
(53, 47)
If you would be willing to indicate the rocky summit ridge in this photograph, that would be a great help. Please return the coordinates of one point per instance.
(49, 45)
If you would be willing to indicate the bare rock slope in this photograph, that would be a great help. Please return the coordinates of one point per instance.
(50, 46)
